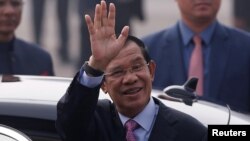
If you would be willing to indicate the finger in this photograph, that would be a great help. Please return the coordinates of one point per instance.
(97, 19)
(90, 25)
(111, 16)
(104, 13)
(123, 36)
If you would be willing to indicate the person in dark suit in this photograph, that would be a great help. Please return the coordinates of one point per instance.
(122, 68)
(226, 54)
(16, 55)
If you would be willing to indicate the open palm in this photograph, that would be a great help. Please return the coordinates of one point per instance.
(104, 43)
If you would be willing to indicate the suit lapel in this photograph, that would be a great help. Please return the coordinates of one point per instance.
(218, 60)
(175, 52)
(118, 127)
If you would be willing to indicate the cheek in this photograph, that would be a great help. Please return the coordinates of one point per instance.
(18, 18)
(185, 6)
(112, 86)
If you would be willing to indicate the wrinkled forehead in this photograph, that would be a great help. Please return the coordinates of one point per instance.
(128, 55)
(129, 50)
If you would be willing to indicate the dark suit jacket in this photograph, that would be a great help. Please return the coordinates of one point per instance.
(82, 118)
(229, 64)
(25, 58)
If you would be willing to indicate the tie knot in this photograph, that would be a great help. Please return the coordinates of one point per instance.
(197, 40)
(131, 125)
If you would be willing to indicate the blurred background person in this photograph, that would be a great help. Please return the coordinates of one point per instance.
(38, 7)
(125, 11)
(16, 55)
(241, 13)
(198, 45)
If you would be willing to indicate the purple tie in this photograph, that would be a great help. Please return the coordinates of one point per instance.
(196, 64)
(130, 126)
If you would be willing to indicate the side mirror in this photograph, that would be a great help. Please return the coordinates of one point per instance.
(185, 93)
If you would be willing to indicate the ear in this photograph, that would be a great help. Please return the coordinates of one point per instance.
(104, 88)
(152, 66)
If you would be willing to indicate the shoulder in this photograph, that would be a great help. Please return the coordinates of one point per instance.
(28, 47)
(234, 33)
(22, 42)
(177, 117)
(184, 125)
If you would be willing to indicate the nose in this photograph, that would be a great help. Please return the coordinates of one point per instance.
(130, 77)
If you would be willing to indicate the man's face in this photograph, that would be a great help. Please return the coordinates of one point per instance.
(130, 90)
(199, 10)
(10, 15)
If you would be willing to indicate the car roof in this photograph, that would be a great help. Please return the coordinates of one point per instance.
(35, 88)
(32, 93)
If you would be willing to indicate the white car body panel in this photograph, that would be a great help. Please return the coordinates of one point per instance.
(48, 90)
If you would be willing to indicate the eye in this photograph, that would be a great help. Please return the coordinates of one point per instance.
(137, 67)
(16, 3)
(2, 3)
(117, 73)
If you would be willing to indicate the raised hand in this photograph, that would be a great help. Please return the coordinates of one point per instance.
(104, 43)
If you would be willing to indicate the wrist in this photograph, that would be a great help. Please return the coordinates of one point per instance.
(91, 71)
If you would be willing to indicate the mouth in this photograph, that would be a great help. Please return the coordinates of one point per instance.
(132, 91)
(203, 4)
(7, 24)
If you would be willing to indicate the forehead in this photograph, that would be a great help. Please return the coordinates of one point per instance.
(130, 49)
(129, 53)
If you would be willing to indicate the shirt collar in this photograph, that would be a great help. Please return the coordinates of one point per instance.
(187, 33)
(149, 111)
